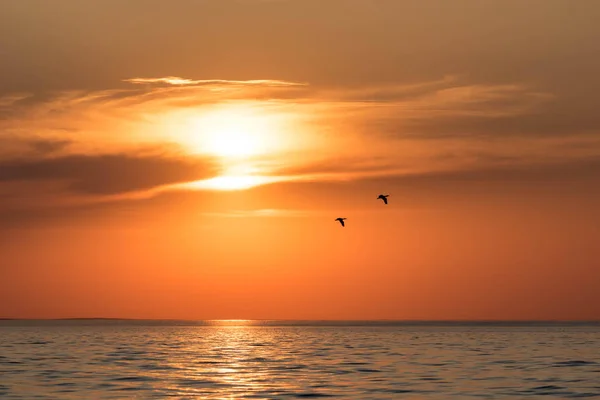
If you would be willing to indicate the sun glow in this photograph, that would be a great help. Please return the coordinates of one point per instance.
(232, 182)
(234, 132)
(245, 139)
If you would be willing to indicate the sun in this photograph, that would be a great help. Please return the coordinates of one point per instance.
(242, 138)
(232, 136)
(233, 132)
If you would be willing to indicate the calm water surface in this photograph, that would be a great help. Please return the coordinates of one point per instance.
(101, 360)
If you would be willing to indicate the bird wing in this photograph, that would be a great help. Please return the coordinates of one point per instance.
(342, 222)
(385, 200)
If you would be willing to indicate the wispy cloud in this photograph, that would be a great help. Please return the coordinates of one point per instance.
(436, 100)
(177, 81)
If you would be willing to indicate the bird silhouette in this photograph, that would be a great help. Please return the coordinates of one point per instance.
(341, 220)
(383, 197)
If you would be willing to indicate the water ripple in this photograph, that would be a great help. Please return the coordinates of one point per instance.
(258, 362)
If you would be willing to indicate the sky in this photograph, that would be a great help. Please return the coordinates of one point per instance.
(188, 159)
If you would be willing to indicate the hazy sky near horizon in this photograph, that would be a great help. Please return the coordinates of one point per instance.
(187, 159)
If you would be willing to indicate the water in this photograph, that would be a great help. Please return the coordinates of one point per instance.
(120, 359)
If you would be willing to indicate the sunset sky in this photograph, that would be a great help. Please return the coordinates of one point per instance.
(187, 159)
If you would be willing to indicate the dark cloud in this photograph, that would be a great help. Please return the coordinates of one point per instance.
(581, 169)
(46, 147)
(548, 121)
(107, 174)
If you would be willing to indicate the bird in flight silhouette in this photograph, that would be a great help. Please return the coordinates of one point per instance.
(341, 220)
(383, 197)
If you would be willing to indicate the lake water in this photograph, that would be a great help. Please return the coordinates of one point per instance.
(271, 360)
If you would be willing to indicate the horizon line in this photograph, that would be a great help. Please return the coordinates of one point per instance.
(309, 320)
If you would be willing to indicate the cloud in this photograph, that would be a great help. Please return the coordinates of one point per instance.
(415, 158)
(9, 100)
(14, 148)
(441, 108)
(107, 174)
(46, 147)
(557, 180)
(343, 168)
(176, 81)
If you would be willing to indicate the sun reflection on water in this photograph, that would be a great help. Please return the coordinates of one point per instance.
(239, 359)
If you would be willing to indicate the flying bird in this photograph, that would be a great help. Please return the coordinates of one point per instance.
(341, 220)
(383, 197)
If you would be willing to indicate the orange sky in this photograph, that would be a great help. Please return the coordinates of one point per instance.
(188, 160)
